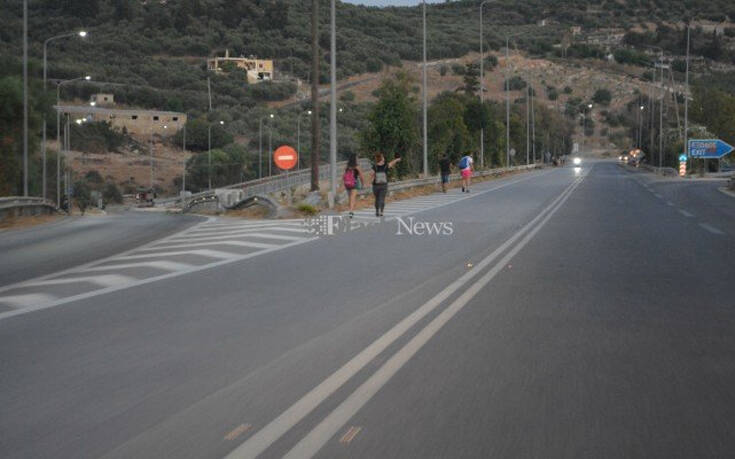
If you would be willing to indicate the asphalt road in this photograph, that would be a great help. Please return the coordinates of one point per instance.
(72, 241)
(583, 313)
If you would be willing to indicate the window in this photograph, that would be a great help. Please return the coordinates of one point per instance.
(155, 118)
(135, 117)
(105, 99)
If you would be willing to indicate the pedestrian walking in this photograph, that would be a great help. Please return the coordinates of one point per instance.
(445, 168)
(353, 180)
(380, 181)
(465, 168)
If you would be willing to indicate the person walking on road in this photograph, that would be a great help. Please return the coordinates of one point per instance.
(445, 168)
(353, 181)
(380, 181)
(465, 168)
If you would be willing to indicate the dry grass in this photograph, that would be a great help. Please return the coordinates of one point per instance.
(27, 222)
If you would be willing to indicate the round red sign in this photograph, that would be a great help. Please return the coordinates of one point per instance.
(285, 157)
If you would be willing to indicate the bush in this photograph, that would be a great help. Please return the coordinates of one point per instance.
(458, 69)
(111, 193)
(602, 97)
(516, 83)
(82, 195)
(568, 90)
(307, 209)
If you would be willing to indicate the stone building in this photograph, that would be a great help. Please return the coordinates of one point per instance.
(134, 121)
(257, 70)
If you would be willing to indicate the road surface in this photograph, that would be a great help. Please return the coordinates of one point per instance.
(570, 313)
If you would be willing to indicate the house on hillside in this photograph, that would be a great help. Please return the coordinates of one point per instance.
(134, 121)
(257, 70)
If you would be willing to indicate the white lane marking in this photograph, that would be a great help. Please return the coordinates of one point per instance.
(711, 228)
(165, 265)
(193, 241)
(266, 436)
(299, 229)
(105, 280)
(685, 213)
(658, 195)
(91, 264)
(316, 438)
(94, 293)
(236, 243)
(202, 252)
(22, 301)
(669, 203)
(244, 226)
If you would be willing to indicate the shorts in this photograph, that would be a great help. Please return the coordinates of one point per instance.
(445, 178)
(466, 173)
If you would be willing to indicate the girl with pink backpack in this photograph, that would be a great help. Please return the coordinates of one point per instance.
(352, 180)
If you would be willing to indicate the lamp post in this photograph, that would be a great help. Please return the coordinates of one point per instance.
(298, 133)
(686, 101)
(332, 107)
(183, 173)
(260, 143)
(584, 125)
(424, 95)
(25, 98)
(209, 153)
(58, 134)
(82, 34)
(482, 86)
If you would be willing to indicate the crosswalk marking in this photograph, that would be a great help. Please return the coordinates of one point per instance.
(226, 237)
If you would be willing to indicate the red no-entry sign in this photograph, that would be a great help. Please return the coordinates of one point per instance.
(285, 157)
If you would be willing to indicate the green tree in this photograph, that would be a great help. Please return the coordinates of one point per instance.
(447, 131)
(392, 127)
(471, 79)
(82, 195)
(602, 96)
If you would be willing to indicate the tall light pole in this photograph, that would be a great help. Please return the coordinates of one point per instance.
(424, 94)
(528, 123)
(482, 86)
(333, 107)
(82, 34)
(58, 134)
(183, 171)
(25, 97)
(686, 101)
(298, 134)
(260, 144)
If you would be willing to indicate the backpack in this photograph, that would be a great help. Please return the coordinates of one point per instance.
(464, 163)
(349, 179)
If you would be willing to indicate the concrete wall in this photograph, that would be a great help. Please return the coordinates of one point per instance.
(138, 122)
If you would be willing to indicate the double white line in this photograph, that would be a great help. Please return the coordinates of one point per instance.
(327, 428)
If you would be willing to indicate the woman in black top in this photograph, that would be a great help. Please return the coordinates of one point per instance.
(380, 181)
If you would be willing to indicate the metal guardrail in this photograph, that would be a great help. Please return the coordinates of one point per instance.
(19, 205)
(265, 185)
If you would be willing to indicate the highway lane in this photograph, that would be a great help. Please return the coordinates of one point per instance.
(532, 364)
(41, 250)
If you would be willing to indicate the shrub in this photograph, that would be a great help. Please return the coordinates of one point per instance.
(111, 193)
(307, 209)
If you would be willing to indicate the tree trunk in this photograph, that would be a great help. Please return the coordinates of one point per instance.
(315, 121)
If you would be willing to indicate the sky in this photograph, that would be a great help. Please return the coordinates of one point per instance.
(389, 2)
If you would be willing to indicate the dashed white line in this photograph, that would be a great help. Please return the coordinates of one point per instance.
(711, 228)
(685, 213)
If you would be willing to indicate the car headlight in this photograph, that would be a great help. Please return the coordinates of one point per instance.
(577, 161)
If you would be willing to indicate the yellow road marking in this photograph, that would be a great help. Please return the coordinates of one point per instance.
(349, 435)
(237, 431)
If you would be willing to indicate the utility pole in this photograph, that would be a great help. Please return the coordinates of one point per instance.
(315, 131)
(183, 174)
(533, 128)
(25, 98)
(661, 121)
(686, 103)
(528, 123)
(507, 105)
(425, 97)
(482, 89)
(333, 108)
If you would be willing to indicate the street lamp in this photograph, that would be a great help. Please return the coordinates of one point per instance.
(584, 125)
(482, 86)
(58, 134)
(332, 108)
(82, 34)
(209, 152)
(260, 143)
(424, 95)
(298, 133)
